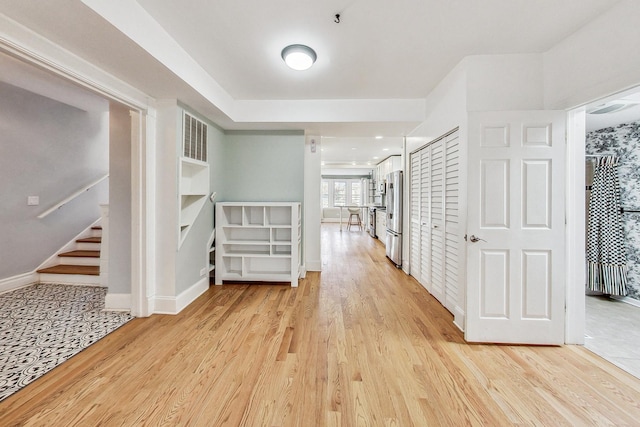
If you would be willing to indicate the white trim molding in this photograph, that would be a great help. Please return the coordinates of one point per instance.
(117, 302)
(19, 281)
(174, 305)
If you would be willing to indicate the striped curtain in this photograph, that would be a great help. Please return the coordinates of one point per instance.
(606, 253)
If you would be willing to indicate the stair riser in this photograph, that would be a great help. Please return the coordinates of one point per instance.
(78, 260)
(96, 233)
(84, 246)
(76, 279)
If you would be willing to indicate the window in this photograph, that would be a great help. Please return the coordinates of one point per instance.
(339, 193)
(356, 192)
(325, 193)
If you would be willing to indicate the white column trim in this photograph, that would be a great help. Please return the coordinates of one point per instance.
(575, 227)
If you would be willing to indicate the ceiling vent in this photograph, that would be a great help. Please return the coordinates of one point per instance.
(612, 107)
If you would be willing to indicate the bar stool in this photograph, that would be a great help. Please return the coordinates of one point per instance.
(354, 218)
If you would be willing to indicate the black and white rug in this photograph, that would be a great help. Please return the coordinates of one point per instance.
(43, 325)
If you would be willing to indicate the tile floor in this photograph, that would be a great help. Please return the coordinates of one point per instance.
(612, 331)
(41, 326)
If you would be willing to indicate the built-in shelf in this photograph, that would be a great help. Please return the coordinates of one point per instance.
(194, 190)
(257, 242)
(211, 253)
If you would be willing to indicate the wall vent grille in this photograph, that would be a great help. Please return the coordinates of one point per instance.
(195, 138)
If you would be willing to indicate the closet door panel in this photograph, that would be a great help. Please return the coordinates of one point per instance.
(451, 219)
(437, 222)
(425, 217)
(415, 260)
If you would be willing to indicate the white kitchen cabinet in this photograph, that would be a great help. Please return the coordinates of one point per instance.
(258, 242)
(381, 225)
(388, 165)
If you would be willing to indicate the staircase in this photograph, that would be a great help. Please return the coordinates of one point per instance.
(79, 266)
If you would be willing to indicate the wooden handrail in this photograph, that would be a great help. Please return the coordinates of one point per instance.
(73, 196)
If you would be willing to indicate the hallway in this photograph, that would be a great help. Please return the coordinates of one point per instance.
(359, 344)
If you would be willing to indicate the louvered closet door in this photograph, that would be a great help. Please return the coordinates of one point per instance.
(451, 220)
(425, 218)
(415, 262)
(437, 222)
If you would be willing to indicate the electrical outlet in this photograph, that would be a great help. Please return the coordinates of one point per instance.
(33, 200)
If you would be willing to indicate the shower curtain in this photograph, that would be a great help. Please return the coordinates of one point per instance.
(606, 252)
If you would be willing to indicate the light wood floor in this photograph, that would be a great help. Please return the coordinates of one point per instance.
(359, 344)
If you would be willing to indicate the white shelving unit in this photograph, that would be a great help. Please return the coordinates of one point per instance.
(211, 253)
(258, 242)
(194, 189)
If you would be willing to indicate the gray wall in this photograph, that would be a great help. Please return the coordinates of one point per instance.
(119, 200)
(264, 166)
(47, 149)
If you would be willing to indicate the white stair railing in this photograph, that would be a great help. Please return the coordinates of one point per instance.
(71, 197)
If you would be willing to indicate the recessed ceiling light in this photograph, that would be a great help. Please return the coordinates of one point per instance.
(378, 137)
(299, 57)
(353, 148)
(376, 158)
(353, 163)
(385, 149)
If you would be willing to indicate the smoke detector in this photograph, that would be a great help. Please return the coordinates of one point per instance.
(612, 106)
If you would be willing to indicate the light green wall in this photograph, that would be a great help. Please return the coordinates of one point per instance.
(244, 166)
(264, 167)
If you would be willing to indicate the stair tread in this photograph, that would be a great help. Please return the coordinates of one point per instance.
(82, 254)
(96, 227)
(90, 240)
(90, 270)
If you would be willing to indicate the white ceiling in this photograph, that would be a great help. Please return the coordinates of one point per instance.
(626, 115)
(358, 152)
(381, 50)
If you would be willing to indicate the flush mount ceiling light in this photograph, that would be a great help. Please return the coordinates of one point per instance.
(298, 56)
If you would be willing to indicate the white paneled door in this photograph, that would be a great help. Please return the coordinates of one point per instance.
(515, 224)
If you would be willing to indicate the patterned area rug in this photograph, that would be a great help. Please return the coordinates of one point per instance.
(42, 325)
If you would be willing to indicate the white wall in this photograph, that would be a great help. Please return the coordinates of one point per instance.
(119, 200)
(599, 59)
(49, 149)
(347, 172)
(312, 250)
(166, 203)
(504, 82)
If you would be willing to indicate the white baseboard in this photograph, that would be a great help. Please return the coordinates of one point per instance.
(628, 300)
(174, 305)
(315, 265)
(19, 281)
(117, 302)
(458, 318)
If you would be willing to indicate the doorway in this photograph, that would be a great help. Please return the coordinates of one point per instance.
(612, 128)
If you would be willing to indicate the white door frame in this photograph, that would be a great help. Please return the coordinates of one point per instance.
(43, 54)
(575, 226)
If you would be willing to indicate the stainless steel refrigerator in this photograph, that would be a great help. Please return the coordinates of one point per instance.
(394, 217)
